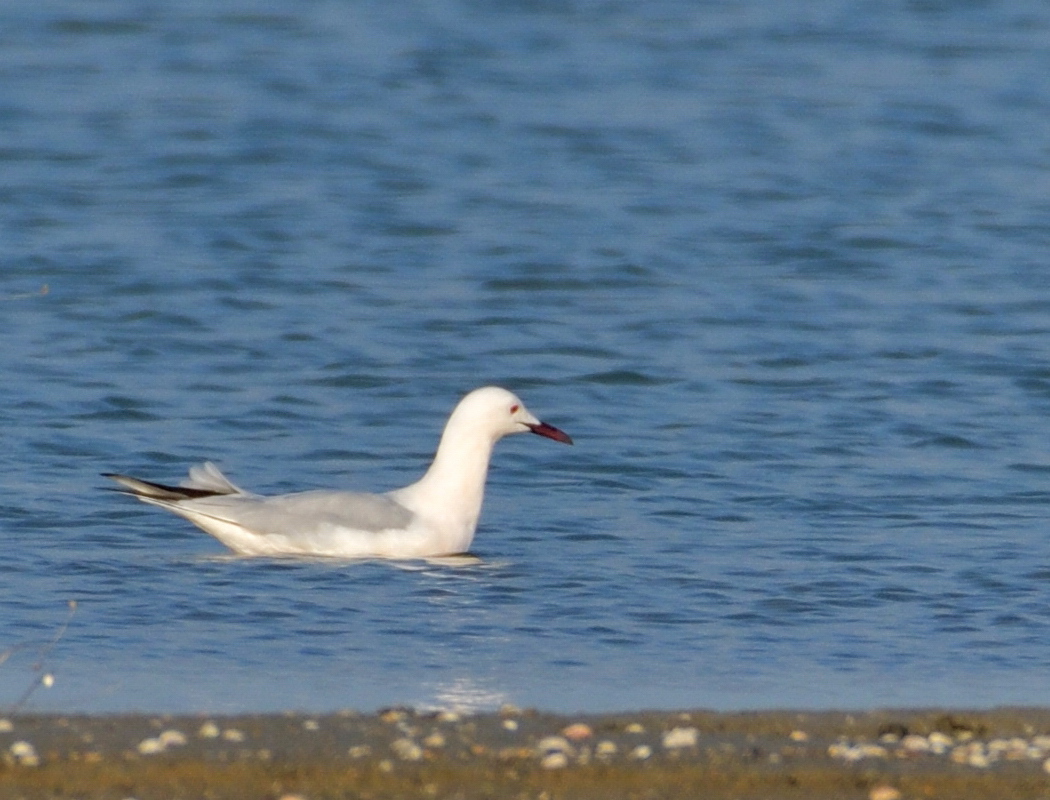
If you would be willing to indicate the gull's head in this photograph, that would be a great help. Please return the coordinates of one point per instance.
(502, 413)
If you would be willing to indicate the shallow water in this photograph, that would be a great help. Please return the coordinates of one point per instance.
(781, 271)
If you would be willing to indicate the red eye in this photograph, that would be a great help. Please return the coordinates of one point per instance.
(514, 409)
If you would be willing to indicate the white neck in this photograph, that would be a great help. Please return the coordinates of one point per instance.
(449, 496)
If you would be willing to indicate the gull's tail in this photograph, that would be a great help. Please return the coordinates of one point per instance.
(205, 480)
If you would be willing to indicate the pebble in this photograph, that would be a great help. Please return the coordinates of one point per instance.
(209, 730)
(25, 754)
(680, 737)
(799, 736)
(6, 726)
(641, 752)
(555, 760)
(884, 792)
(605, 749)
(577, 732)
(510, 724)
(914, 743)
(436, 739)
(979, 760)
(233, 735)
(172, 738)
(962, 753)
(311, 725)
(634, 727)
(939, 742)
(151, 746)
(554, 744)
(406, 749)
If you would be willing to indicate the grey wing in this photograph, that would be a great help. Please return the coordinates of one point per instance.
(308, 512)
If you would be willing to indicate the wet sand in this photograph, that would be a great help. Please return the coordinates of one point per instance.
(399, 753)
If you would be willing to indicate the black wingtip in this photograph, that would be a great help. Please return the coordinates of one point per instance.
(137, 487)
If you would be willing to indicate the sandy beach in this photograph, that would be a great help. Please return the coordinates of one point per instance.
(400, 753)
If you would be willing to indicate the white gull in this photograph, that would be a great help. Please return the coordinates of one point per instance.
(436, 516)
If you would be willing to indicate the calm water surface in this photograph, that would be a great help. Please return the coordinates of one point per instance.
(782, 270)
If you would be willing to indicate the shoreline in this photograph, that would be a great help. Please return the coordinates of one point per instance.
(878, 755)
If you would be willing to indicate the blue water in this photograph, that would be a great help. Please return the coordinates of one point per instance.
(781, 269)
